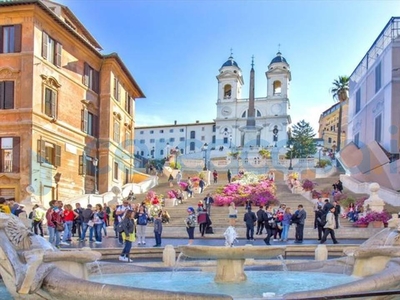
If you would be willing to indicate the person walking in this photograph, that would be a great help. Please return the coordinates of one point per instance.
(202, 184)
(250, 220)
(287, 217)
(69, 216)
(38, 217)
(208, 200)
(78, 221)
(320, 227)
(260, 221)
(87, 216)
(329, 227)
(337, 213)
(301, 217)
(190, 222)
(98, 217)
(229, 175)
(202, 221)
(158, 229)
(268, 219)
(232, 214)
(127, 232)
(178, 177)
(215, 176)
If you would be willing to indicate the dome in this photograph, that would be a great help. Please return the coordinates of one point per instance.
(278, 58)
(230, 62)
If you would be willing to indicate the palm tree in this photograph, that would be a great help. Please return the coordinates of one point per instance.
(340, 92)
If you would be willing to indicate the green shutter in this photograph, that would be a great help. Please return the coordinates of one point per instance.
(17, 38)
(57, 159)
(45, 38)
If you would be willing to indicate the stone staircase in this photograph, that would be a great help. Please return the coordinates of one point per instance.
(219, 215)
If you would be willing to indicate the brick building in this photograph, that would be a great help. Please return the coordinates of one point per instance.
(64, 106)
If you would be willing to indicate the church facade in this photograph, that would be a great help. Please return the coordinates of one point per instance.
(240, 122)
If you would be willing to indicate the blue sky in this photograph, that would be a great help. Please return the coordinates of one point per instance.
(174, 49)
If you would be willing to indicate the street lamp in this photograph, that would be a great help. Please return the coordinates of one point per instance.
(176, 156)
(152, 153)
(230, 141)
(291, 156)
(95, 162)
(204, 148)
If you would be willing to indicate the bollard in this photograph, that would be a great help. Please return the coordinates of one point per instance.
(321, 252)
(169, 255)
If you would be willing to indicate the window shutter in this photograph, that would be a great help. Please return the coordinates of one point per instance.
(58, 54)
(1, 39)
(85, 79)
(17, 37)
(85, 115)
(53, 103)
(44, 44)
(126, 101)
(16, 158)
(9, 95)
(96, 81)
(57, 160)
(41, 151)
(2, 100)
(82, 164)
(95, 124)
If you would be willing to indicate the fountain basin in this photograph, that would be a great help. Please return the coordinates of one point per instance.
(230, 260)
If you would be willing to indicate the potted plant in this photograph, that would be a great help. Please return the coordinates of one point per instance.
(264, 153)
(308, 185)
(361, 222)
(325, 193)
(377, 219)
(315, 194)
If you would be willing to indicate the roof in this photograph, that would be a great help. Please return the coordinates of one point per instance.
(278, 58)
(230, 63)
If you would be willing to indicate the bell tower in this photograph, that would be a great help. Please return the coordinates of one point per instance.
(278, 77)
(230, 81)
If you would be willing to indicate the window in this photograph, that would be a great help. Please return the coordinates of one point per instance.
(378, 128)
(51, 50)
(258, 113)
(202, 128)
(378, 77)
(115, 170)
(116, 89)
(171, 140)
(214, 128)
(116, 130)
(9, 154)
(181, 130)
(49, 153)
(91, 78)
(358, 100)
(161, 131)
(277, 87)
(127, 175)
(329, 140)
(203, 138)
(162, 152)
(6, 94)
(141, 132)
(192, 146)
(128, 103)
(151, 131)
(171, 130)
(225, 141)
(162, 140)
(86, 166)
(50, 102)
(227, 91)
(10, 38)
(213, 139)
(357, 140)
(152, 141)
(89, 123)
(128, 140)
(142, 141)
(182, 139)
(192, 134)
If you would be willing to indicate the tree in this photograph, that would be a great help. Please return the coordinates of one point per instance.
(340, 91)
(302, 138)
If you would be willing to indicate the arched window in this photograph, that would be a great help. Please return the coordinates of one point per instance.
(244, 114)
(277, 87)
(227, 91)
(258, 113)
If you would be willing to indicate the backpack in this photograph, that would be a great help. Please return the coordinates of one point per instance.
(120, 227)
(322, 220)
(295, 219)
(142, 219)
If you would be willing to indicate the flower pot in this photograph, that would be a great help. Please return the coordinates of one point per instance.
(377, 224)
(361, 225)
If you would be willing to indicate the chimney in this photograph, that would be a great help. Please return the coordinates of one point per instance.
(197, 121)
(175, 122)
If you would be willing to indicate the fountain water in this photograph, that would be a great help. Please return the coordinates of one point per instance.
(284, 266)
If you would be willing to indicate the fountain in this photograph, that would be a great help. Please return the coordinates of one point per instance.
(31, 268)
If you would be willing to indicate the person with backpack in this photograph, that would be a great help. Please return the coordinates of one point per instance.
(329, 227)
(118, 216)
(126, 229)
(142, 219)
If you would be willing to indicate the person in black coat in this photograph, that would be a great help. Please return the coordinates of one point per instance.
(318, 214)
(268, 219)
(250, 219)
(260, 221)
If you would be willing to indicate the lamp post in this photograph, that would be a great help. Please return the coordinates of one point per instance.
(176, 156)
(291, 156)
(152, 153)
(204, 148)
(95, 162)
(230, 141)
